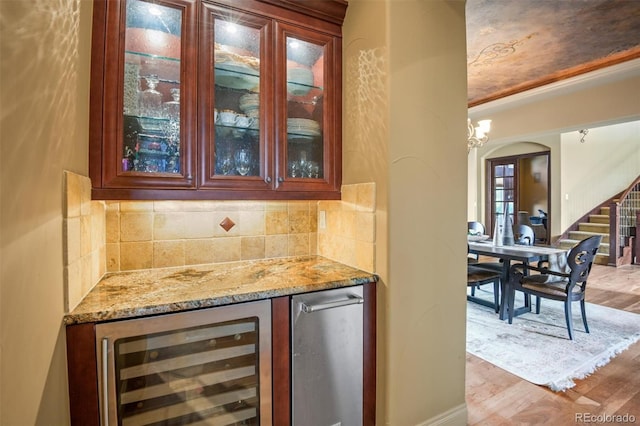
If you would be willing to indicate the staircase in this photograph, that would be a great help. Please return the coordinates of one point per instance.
(598, 224)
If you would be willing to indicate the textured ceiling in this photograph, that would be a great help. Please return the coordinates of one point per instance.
(517, 45)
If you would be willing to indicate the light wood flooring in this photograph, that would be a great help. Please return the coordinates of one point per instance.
(496, 397)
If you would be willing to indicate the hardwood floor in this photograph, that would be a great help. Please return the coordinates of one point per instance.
(496, 397)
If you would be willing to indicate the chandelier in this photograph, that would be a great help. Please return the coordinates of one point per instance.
(477, 136)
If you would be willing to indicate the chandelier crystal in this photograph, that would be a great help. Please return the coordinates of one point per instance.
(477, 136)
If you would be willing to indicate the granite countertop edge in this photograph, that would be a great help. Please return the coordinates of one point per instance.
(128, 295)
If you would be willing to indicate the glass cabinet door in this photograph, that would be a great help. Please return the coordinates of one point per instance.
(148, 112)
(152, 83)
(308, 83)
(304, 115)
(235, 110)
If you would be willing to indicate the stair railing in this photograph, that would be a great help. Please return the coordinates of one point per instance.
(623, 224)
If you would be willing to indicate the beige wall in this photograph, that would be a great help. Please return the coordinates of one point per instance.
(404, 115)
(44, 93)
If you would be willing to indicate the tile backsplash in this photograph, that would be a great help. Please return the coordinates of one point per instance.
(83, 239)
(157, 234)
(113, 236)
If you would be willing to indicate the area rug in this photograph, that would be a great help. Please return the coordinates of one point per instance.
(537, 347)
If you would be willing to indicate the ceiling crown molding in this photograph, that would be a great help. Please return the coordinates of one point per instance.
(584, 81)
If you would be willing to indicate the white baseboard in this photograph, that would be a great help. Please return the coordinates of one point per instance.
(457, 416)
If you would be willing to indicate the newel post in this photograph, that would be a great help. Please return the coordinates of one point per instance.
(614, 233)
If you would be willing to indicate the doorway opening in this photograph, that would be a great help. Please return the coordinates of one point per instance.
(520, 186)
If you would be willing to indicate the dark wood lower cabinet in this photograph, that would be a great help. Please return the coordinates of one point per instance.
(83, 365)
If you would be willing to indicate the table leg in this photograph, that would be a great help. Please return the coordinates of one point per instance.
(504, 288)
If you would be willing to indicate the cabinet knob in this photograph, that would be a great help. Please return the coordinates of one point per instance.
(267, 179)
(280, 179)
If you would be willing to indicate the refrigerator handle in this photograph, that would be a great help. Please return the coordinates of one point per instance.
(350, 300)
(105, 384)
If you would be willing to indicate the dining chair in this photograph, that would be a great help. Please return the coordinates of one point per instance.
(477, 277)
(524, 234)
(568, 285)
(476, 227)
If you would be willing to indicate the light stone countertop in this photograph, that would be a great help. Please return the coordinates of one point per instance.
(125, 295)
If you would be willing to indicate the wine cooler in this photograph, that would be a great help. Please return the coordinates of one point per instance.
(204, 367)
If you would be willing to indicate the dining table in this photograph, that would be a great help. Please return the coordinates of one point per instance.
(508, 253)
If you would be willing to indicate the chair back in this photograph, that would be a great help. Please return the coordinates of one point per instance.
(580, 259)
(476, 227)
(524, 234)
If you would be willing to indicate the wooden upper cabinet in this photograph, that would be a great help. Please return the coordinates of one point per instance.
(237, 99)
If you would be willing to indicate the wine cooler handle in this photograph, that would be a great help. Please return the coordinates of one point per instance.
(105, 384)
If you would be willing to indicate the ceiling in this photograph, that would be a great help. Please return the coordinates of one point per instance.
(517, 45)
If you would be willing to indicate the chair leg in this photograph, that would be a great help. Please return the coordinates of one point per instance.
(496, 295)
(538, 305)
(473, 290)
(567, 316)
(584, 315)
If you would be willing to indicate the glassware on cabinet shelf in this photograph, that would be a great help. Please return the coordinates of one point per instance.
(237, 97)
(151, 99)
(243, 161)
(304, 110)
(152, 74)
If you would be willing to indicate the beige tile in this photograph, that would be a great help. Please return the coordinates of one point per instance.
(198, 251)
(136, 255)
(86, 274)
(96, 273)
(168, 253)
(199, 225)
(73, 285)
(313, 243)
(365, 225)
(85, 235)
(313, 219)
(272, 206)
(365, 256)
(276, 222)
(98, 228)
(298, 221)
(72, 240)
(252, 222)
(226, 249)
(112, 226)
(113, 257)
(136, 206)
(85, 196)
(276, 246)
(298, 205)
(298, 244)
(333, 218)
(200, 206)
(168, 225)
(102, 254)
(73, 194)
(168, 206)
(112, 206)
(252, 248)
(136, 226)
(348, 224)
(366, 197)
(349, 196)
